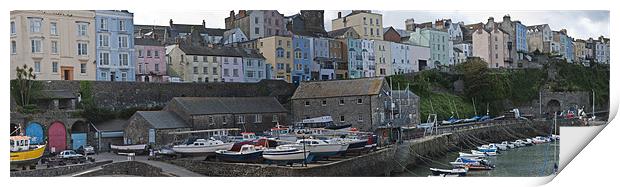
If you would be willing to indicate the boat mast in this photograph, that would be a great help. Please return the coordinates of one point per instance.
(474, 103)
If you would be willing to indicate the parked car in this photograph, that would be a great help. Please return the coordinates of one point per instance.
(69, 154)
(86, 150)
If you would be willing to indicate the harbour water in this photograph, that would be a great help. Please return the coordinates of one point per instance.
(530, 161)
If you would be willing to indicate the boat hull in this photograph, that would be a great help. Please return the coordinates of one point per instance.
(228, 156)
(138, 149)
(25, 158)
(439, 172)
(287, 157)
(207, 150)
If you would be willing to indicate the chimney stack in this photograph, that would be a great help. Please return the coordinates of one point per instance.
(203, 23)
(339, 14)
(171, 22)
(232, 14)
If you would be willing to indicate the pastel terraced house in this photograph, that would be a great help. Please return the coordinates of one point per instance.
(150, 61)
(57, 44)
(115, 45)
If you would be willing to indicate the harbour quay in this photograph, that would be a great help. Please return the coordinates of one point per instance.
(389, 160)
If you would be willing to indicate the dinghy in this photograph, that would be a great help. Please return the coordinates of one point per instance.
(445, 172)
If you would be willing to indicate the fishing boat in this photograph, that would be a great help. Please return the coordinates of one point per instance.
(137, 148)
(462, 162)
(23, 153)
(247, 153)
(471, 155)
(449, 172)
(319, 148)
(286, 155)
(483, 153)
(202, 147)
(353, 143)
(282, 133)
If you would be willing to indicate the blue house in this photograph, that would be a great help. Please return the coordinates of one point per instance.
(569, 49)
(302, 60)
(115, 45)
(356, 63)
(521, 37)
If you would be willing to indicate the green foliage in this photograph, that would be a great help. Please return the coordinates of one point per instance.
(445, 105)
(574, 77)
(24, 88)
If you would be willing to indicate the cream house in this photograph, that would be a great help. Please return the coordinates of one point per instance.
(57, 44)
(367, 24)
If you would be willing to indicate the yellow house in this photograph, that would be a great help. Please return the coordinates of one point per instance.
(277, 52)
(57, 44)
(367, 24)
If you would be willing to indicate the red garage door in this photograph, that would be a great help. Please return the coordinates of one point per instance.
(57, 135)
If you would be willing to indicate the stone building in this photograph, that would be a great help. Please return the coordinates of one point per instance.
(490, 45)
(539, 38)
(56, 44)
(307, 23)
(363, 103)
(369, 25)
(390, 34)
(152, 127)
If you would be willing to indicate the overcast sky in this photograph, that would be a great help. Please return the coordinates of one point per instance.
(579, 24)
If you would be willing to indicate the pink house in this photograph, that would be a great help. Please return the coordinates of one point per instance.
(150, 60)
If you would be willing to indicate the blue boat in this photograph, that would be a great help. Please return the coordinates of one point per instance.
(248, 153)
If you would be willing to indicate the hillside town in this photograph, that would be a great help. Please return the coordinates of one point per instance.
(107, 45)
(271, 89)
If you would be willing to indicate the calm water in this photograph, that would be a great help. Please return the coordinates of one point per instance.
(518, 162)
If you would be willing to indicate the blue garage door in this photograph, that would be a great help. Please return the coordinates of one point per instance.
(78, 139)
(35, 131)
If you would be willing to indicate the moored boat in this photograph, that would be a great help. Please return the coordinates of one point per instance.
(444, 172)
(286, 155)
(23, 153)
(319, 148)
(471, 155)
(247, 153)
(488, 148)
(508, 145)
(483, 153)
(137, 148)
(499, 146)
(202, 147)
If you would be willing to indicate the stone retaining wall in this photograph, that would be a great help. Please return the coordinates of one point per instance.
(133, 168)
(58, 171)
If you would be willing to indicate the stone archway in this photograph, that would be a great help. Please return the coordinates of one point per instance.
(57, 136)
(79, 133)
(35, 131)
(553, 106)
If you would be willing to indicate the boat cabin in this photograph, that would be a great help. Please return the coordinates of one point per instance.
(248, 136)
(20, 143)
(309, 142)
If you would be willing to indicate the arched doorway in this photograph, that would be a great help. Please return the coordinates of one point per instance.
(35, 131)
(57, 134)
(553, 106)
(79, 131)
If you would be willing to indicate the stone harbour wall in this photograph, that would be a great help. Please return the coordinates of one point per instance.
(58, 171)
(133, 168)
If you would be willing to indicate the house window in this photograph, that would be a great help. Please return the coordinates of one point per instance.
(148, 53)
(82, 49)
(360, 117)
(249, 74)
(121, 25)
(341, 118)
(35, 24)
(240, 119)
(205, 70)
(104, 76)
(256, 30)
(54, 46)
(36, 45)
(53, 28)
(274, 118)
(157, 55)
(258, 118)
(13, 47)
(82, 29)
(324, 103)
(226, 73)
(341, 102)
(104, 58)
(359, 101)
(214, 71)
(123, 59)
(123, 41)
(13, 28)
(103, 25)
(83, 68)
(139, 53)
(156, 67)
(195, 70)
(104, 40)
(211, 122)
(37, 67)
(223, 118)
(195, 58)
(54, 67)
(307, 103)
(123, 76)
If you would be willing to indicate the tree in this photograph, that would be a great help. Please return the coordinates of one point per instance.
(24, 88)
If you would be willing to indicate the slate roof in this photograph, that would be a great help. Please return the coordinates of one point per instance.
(162, 119)
(215, 31)
(457, 50)
(185, 28)
(57, 94)
(220, 51)
(111, 125)
(339, 32)
(147, 41)
(338, 88)
(229, 105)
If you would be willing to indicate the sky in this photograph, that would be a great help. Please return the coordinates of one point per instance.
(581, 24)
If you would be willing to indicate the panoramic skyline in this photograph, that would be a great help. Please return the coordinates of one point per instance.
(581, 24)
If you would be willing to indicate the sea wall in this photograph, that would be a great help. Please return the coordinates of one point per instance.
(133, 168)
(58, 171)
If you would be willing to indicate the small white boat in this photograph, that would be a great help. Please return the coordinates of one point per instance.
(462, 162)
(508, 145)
(202, 147)
(449, 172)
(483, 153)
(488, 148)
(138, 148)
(555, 137)
(319, 148)
(539, 140)
(471, 155)
(287, 155)
(518, 143)
(528, 142)
(499, 146)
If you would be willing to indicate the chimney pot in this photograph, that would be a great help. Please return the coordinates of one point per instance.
(339, 14)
